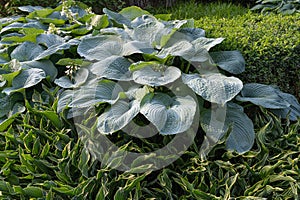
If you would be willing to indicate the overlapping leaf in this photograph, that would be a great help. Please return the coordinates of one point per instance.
(169, 115)
(282, 104)
(215, 88)
(154, 74)
(114, 67)
(118, 116)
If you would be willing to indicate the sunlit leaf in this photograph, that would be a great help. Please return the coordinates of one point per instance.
(169, 115)
(214, 87)
(118, 116)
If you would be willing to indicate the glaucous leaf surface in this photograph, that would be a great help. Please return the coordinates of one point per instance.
(22, 53)
(105, 91)
(282, 104)
(156, 75)
(215, 87)
(230, 61)
(113, 67)
(241, 136)
(118, 116)
(170, 115)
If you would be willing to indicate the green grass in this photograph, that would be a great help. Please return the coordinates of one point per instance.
(197, 10)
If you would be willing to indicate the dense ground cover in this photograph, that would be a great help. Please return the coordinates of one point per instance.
(39, 159)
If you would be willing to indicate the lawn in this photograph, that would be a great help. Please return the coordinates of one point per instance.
(73, 82)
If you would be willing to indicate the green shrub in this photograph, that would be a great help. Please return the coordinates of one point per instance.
(270, 45)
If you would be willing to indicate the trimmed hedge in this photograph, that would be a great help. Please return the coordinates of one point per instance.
(270, 45)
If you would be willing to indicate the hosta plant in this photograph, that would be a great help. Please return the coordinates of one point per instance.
(278, 6)
(127, 66)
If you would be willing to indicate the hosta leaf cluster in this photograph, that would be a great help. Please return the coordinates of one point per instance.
(125, 63)
(278, 6)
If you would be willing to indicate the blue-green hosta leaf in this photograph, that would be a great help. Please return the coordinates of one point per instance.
(114, 67)
(116, 31)
(118, 116)
(169, 115)
(293, 111)
(18, 26)
(4, 105)
(117, 17)
(262, 95)
(49, 40)
(100, 47)
(206, 43)
(64, 99)
(27, 78)
(55, 48)
(241, 137)
(7, 20)
(215, 87)
(79, 79)
(156, 74)
(150, 32)
(45, 65)
(133, 12)
(26, 51)
(231, 61)
(30, 9)
(181, 48)
(104, 46)
(192, 33)
(105, 91)
(144, 19)
(282, 104)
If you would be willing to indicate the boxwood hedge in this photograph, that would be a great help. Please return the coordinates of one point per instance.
(270, 45)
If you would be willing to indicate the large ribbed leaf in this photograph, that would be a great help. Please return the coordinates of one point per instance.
(118, 116)
(169, 115)
(49, 40)
(153, 74)
(242, 136)
(117, 17)
(45, 65)
(214, 87)
(64, 99)
(231, 61)
(55, 48)
(282, 104)
(104, 46)
(262, 95)
(150, 32)
(105, 91)
(181, 48)
(4, 105)
(100, 47)
(26, 51)
(206, 43)
(215, 125)
(192, 33)
(18, 26)
(79, 79)
(114, 67)
(27, 78)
